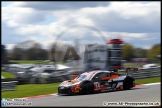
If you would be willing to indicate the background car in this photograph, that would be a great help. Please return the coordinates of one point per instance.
(146, 66)
(48, 72)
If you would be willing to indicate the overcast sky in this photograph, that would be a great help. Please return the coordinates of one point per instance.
(137, 23)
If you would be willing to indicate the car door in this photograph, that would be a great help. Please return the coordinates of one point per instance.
(105, 79)
(97, 80)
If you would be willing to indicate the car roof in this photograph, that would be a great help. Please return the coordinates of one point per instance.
(98, 71)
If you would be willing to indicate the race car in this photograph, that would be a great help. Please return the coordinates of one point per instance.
(97, 81)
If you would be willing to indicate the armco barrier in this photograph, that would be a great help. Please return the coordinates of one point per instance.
(11, 85)
(146, 73)
(8, 79)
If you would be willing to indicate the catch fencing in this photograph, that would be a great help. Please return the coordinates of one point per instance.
(141, 73)
(146, 73)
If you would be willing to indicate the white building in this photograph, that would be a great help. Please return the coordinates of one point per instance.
(106, 56)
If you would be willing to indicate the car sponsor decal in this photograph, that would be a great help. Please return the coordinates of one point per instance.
(73, 81)
(90, 74)
(97, 86)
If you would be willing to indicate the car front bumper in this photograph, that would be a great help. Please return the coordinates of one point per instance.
(65, 90)
(62, 90)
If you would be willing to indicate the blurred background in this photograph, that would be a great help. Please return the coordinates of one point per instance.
(30, 54)
(34, 51)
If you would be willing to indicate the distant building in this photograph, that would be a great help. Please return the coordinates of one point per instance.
(101, 56)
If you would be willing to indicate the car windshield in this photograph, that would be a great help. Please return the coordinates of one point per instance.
(84, 76)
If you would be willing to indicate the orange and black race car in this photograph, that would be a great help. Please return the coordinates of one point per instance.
(97, 81)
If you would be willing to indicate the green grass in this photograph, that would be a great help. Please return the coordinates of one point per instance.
(132, 65)
(8, 75)
(25, 61)
(42, 89)
(30, 62)
(148, 80)
(31, 90)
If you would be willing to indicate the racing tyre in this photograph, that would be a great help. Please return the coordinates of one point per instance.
(87, 88)
(127, 84)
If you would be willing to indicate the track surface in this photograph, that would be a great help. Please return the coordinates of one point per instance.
(149, 93)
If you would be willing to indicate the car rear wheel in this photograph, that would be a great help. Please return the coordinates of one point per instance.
(87, 88)
(127, 84)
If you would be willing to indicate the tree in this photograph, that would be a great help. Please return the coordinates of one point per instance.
(128, 52)
(144, 53)
(56, 52)
(17, 53)
(29, 50)
(44, 54)
(140, 53)
(3, 54)
(35, 52)
(154, 51)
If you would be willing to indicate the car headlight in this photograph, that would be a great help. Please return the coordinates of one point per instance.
(61, 84)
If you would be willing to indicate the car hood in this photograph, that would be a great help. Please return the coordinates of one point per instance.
(70, 82)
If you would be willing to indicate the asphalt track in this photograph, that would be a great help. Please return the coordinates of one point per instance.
(149, 93)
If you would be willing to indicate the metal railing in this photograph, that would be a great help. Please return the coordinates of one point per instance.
(146, 73)
(141, 73)
(11, 85)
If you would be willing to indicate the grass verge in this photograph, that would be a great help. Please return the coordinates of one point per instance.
(25, 61)
(131, 65)
(8, 75)
(148, 80)
(31, 62)
(31, 90)
(42, 89)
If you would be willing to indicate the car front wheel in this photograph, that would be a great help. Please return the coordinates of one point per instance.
(127, 84)
(87, 88)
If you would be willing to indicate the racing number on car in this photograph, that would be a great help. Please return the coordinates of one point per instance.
(97, 86)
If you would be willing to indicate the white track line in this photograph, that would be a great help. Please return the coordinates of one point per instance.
(152, 83)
